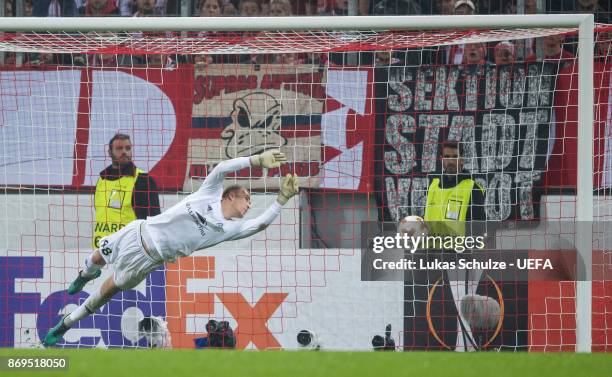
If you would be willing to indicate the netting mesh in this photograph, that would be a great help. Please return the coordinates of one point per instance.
(255, 42)
(362, 116)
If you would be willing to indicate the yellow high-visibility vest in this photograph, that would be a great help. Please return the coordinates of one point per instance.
(446, 209)
(113, 202)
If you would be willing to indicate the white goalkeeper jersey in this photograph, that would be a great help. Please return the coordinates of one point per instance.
(197, 221)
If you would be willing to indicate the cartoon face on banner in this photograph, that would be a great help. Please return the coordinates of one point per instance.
(311, 115)
(255, 127)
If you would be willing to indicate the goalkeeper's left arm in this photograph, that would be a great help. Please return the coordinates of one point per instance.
(289, 188)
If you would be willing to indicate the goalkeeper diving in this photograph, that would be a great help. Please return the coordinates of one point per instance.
(203, 219)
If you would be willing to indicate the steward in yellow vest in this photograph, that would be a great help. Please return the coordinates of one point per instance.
(454, 198)
(123, 192)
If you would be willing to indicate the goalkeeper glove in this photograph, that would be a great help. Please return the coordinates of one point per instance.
(269, 159)
(289, 187)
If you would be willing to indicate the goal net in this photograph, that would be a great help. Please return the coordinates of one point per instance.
(363, 116)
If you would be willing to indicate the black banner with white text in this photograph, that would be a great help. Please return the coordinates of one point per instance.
(500, 115)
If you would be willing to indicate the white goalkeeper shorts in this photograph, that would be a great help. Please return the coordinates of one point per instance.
(125, 252)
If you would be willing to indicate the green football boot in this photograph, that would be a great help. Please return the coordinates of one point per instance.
(77, 285)
(56, 333)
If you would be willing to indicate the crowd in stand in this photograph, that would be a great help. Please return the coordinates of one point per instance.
(252, 8)
(552, 48)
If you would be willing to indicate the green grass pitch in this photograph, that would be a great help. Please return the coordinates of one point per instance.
(154, 363)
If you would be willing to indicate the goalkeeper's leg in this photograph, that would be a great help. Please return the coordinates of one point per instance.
(93, 303)
(91, 270)
(132, 262)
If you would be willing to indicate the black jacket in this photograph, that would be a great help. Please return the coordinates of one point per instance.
(40, 8)
(145, 198)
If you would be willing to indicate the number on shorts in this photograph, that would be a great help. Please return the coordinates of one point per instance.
(105, 250)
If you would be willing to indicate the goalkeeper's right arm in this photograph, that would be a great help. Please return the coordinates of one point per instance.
(268, 159)
(214, 179)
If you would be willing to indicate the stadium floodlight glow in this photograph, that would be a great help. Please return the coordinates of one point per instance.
(329, 34)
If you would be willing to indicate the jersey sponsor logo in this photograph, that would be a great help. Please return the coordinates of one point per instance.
(200, 221)
(214, 226)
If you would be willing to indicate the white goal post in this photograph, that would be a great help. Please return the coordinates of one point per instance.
(583, 22)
